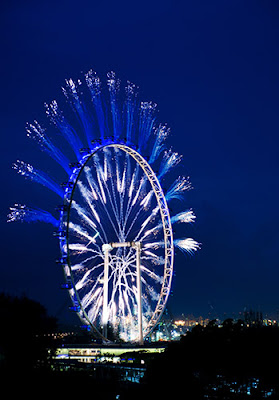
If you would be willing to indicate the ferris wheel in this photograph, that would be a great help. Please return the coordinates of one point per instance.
(115, 228)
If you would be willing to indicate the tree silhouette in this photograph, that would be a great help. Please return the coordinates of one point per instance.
(25, 340)
(233, 352)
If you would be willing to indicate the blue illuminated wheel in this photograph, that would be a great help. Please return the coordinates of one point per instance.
(114, 229)
(114, 196)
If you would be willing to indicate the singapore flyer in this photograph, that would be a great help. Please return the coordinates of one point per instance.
(112, 218)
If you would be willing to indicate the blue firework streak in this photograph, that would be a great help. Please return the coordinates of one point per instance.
(111, 195)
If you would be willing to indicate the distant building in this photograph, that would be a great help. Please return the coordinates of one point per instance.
(252, 317)
(93, 354)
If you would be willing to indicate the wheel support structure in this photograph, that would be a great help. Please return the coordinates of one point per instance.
(106, 250)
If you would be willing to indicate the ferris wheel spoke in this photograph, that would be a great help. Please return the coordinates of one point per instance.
(103, 188)
(80, 232)
(152, 274)
(82, 264)
(145, 223)
(84, 216)
(91, 297)
(88, 199)
(130, 199)
(96, 307)
(86, 277)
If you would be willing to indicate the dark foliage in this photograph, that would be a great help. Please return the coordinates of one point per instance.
(205, 359)
(25, 338)
(233, 351)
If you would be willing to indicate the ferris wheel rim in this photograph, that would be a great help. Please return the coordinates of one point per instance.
(166, 224)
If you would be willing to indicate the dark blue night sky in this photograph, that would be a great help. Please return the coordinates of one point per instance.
(212, 67)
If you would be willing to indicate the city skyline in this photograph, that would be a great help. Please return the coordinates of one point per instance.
(212, 70)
